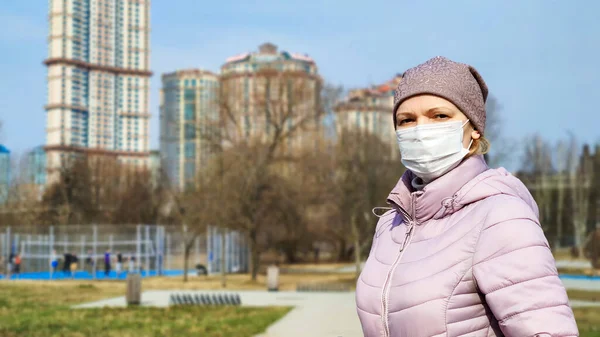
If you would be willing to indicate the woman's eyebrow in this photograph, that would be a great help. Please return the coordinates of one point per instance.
(439, 109)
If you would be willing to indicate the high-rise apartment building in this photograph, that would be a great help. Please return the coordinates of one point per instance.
(188, 109)
(98, 80)
(370, 110)
(36, 166)
(249, 85)
(258, 85)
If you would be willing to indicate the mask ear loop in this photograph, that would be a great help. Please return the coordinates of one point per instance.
(471, 142)
(376, 208)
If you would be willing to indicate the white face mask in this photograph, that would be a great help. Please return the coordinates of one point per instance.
(431, 150)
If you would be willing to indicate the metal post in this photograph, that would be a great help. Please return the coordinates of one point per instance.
(147, 250)
(17, 243)
(25, 246)
(223, 258)
(197, 249)
(168, 251)
(8, 252)
(219, 249)
(51, 248)
(82, 255)
(209, 248)
(65, 239)
(138, 248)
(94, 250)
(162, 249)
(82, 250)
(42, 242)
(156, 254)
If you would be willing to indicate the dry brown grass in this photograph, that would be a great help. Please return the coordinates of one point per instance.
(94, 290)
(316, 266)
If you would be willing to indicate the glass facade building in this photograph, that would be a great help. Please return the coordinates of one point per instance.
(189, 108)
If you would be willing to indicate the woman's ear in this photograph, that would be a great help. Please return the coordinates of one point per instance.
(475, 134)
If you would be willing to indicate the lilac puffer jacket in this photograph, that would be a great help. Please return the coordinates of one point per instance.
(465, 256)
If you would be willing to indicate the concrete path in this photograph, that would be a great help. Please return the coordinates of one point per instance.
(314, 314)
(581, 284)
(576, 264)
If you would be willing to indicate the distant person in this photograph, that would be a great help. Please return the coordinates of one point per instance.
(53, 262)
(461, 251)
(73, 266)
(66, 268)
(10, 264)
(107, 263)
(119, 265)
(131, 263)
(89, 261)
(17, 263)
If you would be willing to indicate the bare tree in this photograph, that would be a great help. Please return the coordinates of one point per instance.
(580, 180)
(282, 117)
(562, 158)
(100, 189)
(539, 168)
(501, 148)
(20, 196)
(363, 173)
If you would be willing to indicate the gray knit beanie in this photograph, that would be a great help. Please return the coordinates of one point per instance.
(459, 83)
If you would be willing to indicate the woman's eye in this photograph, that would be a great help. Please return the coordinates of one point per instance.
(441, 116)
(405, 121)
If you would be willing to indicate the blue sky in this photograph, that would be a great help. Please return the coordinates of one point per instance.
(540, 58)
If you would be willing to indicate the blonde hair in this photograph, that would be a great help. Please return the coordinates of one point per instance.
(480, 146)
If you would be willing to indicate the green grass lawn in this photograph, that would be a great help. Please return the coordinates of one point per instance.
(33, 310)
(588, 321)
(42, 309)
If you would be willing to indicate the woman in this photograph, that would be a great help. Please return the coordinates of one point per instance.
(461, 252)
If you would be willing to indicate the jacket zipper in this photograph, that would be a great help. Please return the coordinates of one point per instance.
(388, 280)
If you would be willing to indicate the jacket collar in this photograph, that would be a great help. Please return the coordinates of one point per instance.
(420, 206)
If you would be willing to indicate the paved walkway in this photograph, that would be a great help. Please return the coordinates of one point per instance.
(314, 314)
(577, 264)
(581, 284)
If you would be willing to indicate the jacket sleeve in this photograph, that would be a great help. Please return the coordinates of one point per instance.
(515, 270)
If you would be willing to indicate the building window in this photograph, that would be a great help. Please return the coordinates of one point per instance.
(190, 111)
(190, 131)
(189, 95)
(190, 170)
(190, 150)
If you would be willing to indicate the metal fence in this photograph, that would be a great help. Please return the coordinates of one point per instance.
(149, 247)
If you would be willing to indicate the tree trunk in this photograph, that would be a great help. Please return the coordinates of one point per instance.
(356, 237)
(289, 250)
(254, 254)
(187, 246)
(559, 213)
(186, 258)
(342, 250)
